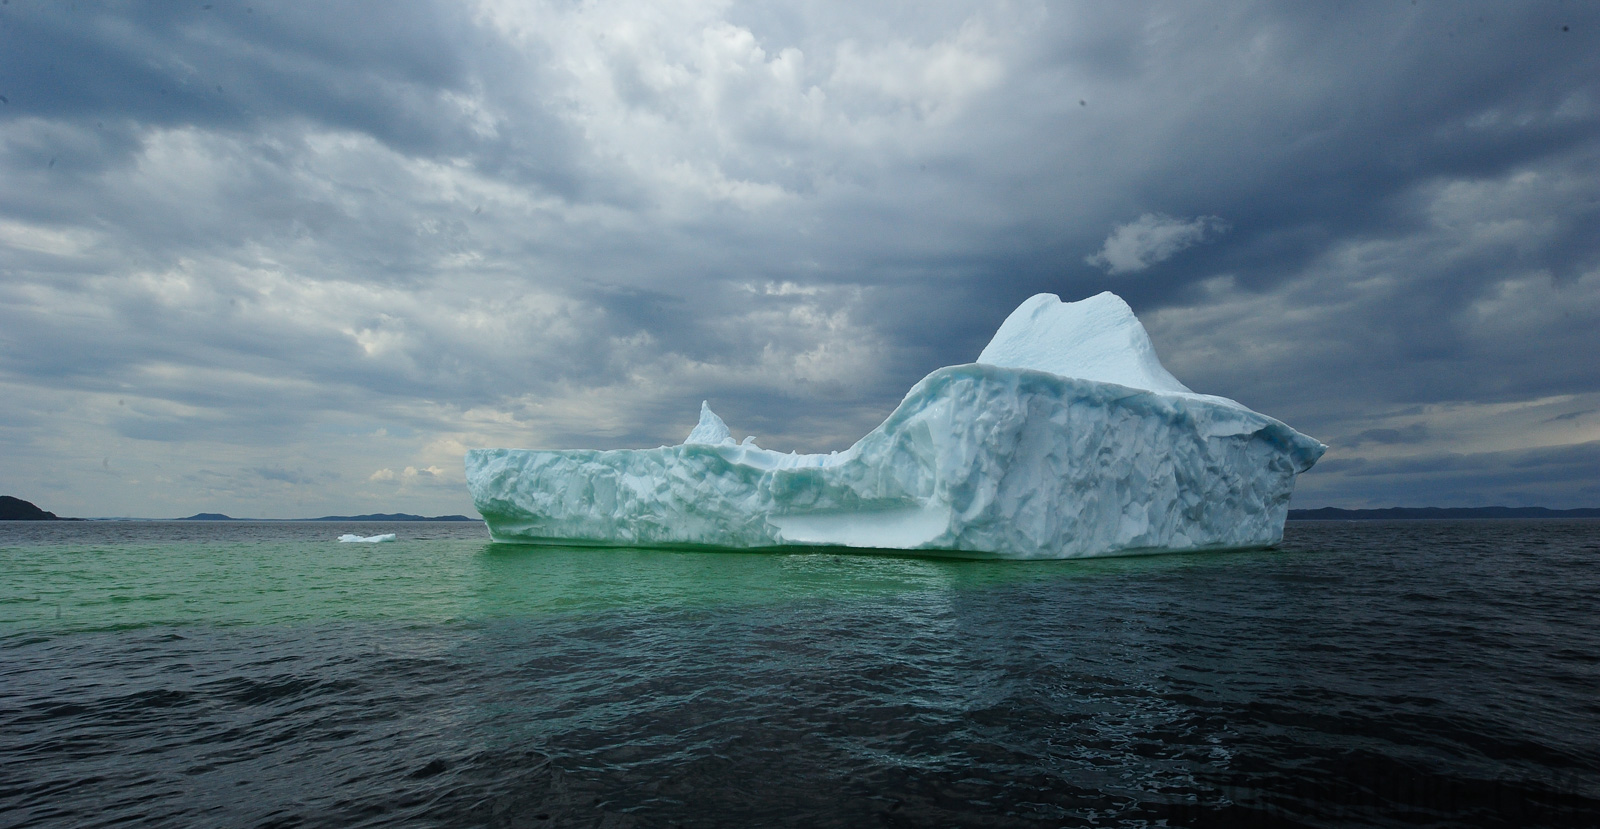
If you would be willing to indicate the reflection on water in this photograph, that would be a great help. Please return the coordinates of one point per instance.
(1435, 673)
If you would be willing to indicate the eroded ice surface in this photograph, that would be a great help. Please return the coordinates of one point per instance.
(1067, 438)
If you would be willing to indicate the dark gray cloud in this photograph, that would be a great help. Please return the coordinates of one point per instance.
(293, 476)
(352, 240)
(1412, 433)
(228, 66)
(1532, 477)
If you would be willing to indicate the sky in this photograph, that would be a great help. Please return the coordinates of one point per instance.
(291, 260)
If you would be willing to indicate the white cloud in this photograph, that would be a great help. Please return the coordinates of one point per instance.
(1153, 238)
(689, 106)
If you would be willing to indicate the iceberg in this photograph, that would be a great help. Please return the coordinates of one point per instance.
(1066, 439)
(352, 538)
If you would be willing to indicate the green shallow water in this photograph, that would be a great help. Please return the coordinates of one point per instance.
(104, 576)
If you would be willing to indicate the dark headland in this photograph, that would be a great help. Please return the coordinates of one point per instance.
(1402, 513)
(16, 509)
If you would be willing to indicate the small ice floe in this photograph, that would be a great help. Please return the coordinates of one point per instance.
(368, 539)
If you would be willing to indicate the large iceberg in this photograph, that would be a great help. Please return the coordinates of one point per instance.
(1067, 438)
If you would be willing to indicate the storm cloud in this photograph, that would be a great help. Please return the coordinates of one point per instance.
(282, 262)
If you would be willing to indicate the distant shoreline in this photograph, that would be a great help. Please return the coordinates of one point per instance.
(16, 509)
(13, 508)
(1416, 513)
(373, 517)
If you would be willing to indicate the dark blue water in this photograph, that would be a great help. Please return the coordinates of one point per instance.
(1366, 673)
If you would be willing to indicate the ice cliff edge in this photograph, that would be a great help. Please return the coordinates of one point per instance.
(1067, 438)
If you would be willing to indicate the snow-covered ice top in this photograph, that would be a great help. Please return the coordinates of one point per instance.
(1097, 338)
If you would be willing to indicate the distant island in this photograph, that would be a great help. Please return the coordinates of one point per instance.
(16, 509)
(1403, 513)
(377, 516)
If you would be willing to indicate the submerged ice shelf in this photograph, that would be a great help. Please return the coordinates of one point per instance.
(1067, 438)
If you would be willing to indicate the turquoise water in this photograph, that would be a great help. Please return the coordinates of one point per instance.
(110, 575)
(1371, 673)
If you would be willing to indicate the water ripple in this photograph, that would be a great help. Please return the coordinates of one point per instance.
(1418, 673)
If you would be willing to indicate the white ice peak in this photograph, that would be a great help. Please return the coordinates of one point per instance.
(710, 431)
(1097, 338)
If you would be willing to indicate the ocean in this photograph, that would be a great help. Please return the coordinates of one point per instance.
(1406, 673)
